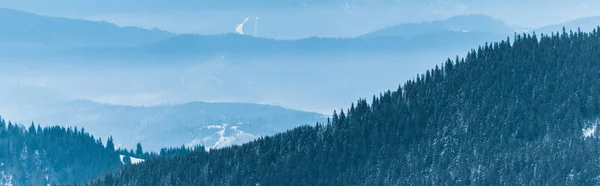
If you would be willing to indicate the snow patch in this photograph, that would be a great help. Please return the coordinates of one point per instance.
(216, 126)
(198, 141)
(589, 132)
(136, 160)
(133, 160)
(226, 141)
(121, 158)
(5, 179)
(240, 27)
(227, 136)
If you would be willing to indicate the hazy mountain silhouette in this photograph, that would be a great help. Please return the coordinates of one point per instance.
(31, 31)
(466, 23)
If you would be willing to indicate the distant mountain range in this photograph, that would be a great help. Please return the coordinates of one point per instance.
(585, 24)
(89, 39)
(30, 32)
(467, 23)
(299, 18)
(232, 44)
(213, 125)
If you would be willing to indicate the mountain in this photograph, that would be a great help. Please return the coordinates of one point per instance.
(278, 19)
(188, 46)
(463, 23)
(289, 19)
(213, 125)
(51, 155)
(584, 24)
(28, 31)
(85, 41)
(510, 113)
(233, 43)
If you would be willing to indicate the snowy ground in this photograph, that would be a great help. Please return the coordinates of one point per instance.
(133, 160)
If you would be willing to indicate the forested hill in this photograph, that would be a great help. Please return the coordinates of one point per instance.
(52, 155)
(520, 112)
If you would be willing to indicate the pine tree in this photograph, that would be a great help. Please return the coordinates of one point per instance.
(110, 146)
(138, 150)
(32, 129)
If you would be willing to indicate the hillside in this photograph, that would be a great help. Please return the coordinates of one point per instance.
(213, 125)
(85, 41)
(51, 155)
(509, 113)
(464, 23)
(189, 46)
(585, 24)
(26, 31)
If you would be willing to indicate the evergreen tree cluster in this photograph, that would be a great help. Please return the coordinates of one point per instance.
(506, 114)
(52, 155)
(165, 152)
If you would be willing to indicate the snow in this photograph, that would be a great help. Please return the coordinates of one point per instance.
(5, 179)
(216, 126)
(227, 136)
(133, 160)
(240, 27)
(589, 132)
(198, 141)
(121, 158)
(226, 141)
(136, 160)
(255, 26)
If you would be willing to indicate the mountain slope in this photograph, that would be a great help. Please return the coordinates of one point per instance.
(524, 113)
(464, 23)
(84, 40)
(189, 46)
(51, 155)
(585, 24)
(21, 29)
(196, 123)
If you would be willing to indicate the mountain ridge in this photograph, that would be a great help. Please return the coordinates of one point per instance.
(23, 29)
(461, 23)
(191, 123)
